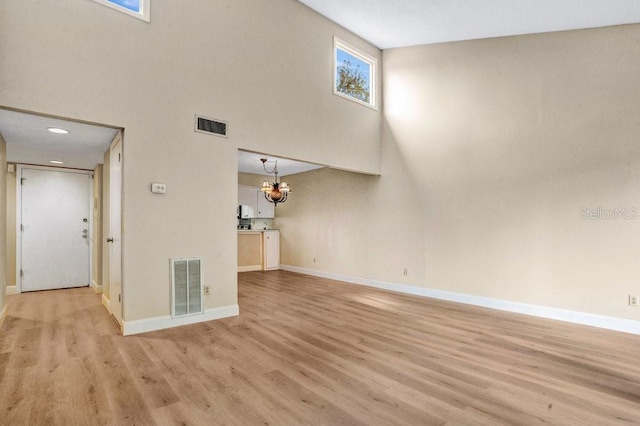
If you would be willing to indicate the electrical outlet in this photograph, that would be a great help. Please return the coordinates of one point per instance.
(206, 290)
(405, 272)
(634, 300)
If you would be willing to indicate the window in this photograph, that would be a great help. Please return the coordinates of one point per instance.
(137, 8)
(354, 74)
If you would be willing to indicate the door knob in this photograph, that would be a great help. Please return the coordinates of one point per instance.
(109, 240)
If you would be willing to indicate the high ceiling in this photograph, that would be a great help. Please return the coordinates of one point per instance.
(397, 23)
(385, 23)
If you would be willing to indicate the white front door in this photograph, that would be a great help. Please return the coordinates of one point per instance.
(55, 221)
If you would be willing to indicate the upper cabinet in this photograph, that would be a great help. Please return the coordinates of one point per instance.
(253, 197)
(266, 209)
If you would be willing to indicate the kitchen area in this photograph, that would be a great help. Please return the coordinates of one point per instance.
(259, 191)
(258, 241)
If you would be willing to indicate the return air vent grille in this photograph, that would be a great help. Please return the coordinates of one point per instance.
(211, 126)
(186, 284)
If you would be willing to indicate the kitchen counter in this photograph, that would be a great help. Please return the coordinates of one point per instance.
(258, 249)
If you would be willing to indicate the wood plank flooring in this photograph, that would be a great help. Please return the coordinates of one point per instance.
(306, 350)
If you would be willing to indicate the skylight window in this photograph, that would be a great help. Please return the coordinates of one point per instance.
(136, 8)
(354, 74)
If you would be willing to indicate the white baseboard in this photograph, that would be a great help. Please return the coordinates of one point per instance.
(594, 320)
(166, 321)
(250, 268)
(106, 302)
(3, 314)
(11, 289)
(97, 288)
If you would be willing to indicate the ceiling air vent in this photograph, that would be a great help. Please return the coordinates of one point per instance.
(211, 126)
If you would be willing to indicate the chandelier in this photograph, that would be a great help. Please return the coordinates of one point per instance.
(274, 192)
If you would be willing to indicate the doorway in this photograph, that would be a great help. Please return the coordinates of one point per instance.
(42, 140)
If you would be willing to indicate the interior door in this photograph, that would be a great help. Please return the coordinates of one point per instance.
(55, 222)
(115, 228)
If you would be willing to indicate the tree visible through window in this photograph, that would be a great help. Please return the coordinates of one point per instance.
(354, 74)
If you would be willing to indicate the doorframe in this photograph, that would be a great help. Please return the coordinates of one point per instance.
(19, 168)
(118, 139)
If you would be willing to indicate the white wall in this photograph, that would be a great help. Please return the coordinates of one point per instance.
(11, 228)
(97, 238)
(510, 139)
(3, 230)
(491, 148)
(263, 66)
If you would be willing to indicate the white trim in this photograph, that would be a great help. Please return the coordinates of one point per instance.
(163, 322)
(97, 288)
(364, 57)
(584, 318)
(250, 268)
(106, 302)
(18, 286)
(11, 289)
(145, 9)
(3, 314)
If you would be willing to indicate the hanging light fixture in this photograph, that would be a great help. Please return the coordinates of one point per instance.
(274, 192)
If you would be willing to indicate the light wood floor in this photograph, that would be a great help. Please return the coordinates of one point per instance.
(312, 351)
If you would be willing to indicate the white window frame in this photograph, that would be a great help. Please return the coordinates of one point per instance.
(144, 14)
(364, 57)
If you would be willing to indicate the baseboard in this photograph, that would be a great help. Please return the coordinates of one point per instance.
(3, 315)
(250, 268)
(11, 289)
(166, 321)
(106, 302)
(97, 288)
(594, 320)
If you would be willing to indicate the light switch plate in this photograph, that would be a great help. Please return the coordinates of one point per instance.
(158, 188)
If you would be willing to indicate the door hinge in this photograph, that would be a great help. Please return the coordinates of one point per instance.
(21, 273)
(22, 181)
(21, 228)
(119, 298)
(119, 157)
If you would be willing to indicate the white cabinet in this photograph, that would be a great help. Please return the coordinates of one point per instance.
(265, 208)
(247, 196)
(271, 249)
(258, 205)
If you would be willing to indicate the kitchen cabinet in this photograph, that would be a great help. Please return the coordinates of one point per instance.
(271, 249)
(250, 251)
(253, 197)
(247, 197)
(265, 208)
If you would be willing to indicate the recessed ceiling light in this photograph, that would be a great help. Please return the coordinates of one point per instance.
(57, 130)
(56, 162)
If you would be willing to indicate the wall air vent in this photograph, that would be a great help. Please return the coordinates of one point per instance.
(186, 286)
(211, 126)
